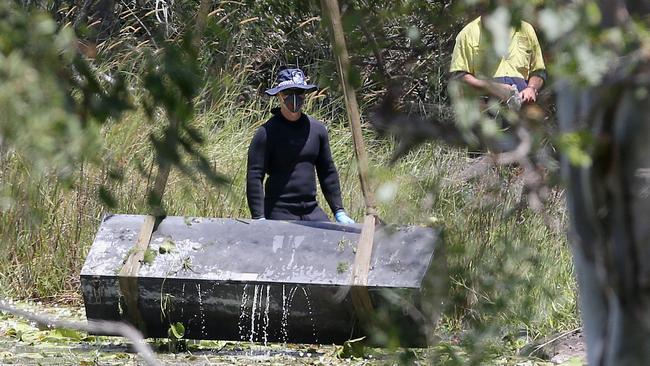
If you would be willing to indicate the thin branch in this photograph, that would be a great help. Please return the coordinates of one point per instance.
(101, 327)
(555, 339)
(519, 153)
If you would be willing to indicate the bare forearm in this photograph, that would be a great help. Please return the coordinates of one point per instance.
(498, 90)
(535, 82)
(474, 82)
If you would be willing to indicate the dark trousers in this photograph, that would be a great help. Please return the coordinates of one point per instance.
(303, 211)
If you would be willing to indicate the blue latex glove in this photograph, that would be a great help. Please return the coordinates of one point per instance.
(343, 217)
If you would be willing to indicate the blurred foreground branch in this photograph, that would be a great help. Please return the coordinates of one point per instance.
(511, 145)
(95, 327)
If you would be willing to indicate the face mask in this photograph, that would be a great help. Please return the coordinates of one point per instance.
(294, 102)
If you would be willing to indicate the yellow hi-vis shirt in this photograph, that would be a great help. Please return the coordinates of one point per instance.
(524, 53)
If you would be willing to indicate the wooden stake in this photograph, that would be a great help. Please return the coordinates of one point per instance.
(128, 276)
(352, 106)
(360, 297)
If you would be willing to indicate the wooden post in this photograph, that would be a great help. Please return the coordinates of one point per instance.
(128, 275)
(352, 106)
(361, 266)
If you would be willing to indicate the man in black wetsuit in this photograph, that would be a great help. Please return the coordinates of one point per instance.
(291, 148)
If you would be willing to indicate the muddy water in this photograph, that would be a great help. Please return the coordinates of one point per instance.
(22, 343)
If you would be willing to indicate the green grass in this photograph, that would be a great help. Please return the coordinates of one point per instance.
(509, 271)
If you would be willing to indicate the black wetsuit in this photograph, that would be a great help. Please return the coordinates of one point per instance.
(291, 154)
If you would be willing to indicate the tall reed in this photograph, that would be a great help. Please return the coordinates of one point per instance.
(500, 259)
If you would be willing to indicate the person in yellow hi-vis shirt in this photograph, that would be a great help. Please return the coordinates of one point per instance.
(521, 73)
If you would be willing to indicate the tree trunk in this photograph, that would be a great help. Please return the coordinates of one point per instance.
(609, 205)
(83, 14)
(201, 20)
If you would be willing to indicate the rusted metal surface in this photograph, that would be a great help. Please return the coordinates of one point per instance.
(253, 280)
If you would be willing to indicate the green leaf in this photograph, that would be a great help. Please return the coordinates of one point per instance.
(149, 256)
(575, 146)
(63, 335)
(342, 267)
(353, 348)
(593, 13)
(167, 246)
(575, 361)
(557, 24)
(176, 330)
(69, 333)
(107, 197)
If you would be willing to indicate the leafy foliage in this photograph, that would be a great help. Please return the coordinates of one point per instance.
(196, 109)
(52, 103)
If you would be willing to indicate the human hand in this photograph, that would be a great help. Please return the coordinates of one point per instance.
(528, 95)
(342, 217)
